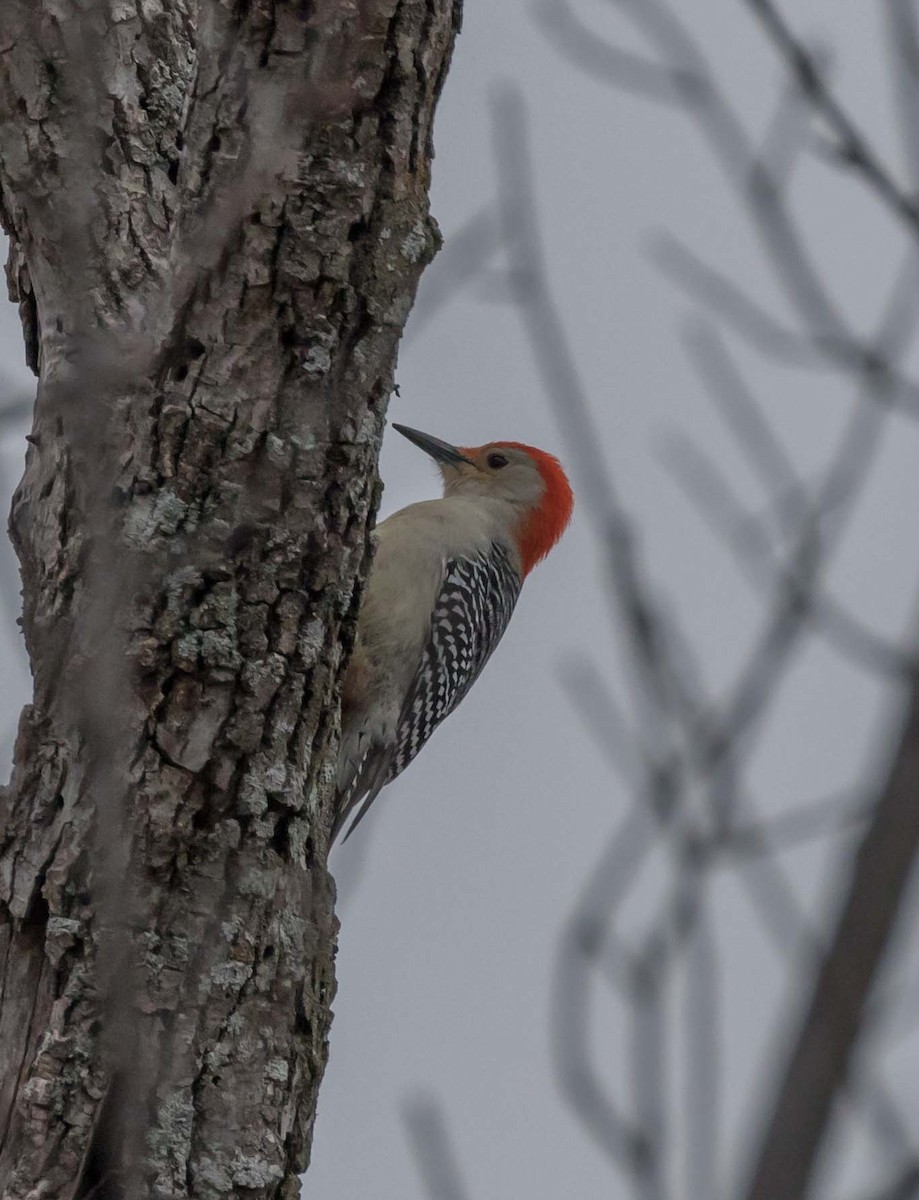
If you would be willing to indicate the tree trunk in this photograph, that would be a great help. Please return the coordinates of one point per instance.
(218, 215)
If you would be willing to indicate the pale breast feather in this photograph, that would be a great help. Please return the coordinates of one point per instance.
(471, 614)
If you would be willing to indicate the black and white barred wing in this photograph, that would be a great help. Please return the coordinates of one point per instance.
(470, 616)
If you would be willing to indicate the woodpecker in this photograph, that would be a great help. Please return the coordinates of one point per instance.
(445, 578)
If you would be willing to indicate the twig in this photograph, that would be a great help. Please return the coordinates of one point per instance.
(830, 1029)
(854, 147)
(429, 1139)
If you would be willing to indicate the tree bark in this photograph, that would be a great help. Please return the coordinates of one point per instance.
(218, 215)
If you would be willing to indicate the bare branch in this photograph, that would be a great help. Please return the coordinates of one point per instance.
(831, 1027)
(429, 1139)
(825, 817)
(903, 38)
(464, 257)
(703, 1061)
(854, 148)
(600, 60)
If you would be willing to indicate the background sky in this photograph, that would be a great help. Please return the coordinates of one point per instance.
(454, 893)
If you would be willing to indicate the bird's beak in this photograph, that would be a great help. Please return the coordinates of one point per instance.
(441, 452)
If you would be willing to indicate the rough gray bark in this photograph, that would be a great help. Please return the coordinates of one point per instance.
(218, 214)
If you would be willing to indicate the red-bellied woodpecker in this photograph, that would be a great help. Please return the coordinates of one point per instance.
(445, 578)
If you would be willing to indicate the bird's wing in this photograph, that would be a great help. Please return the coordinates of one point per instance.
(470, 615)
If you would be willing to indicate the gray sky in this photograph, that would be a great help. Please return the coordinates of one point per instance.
(456, 890)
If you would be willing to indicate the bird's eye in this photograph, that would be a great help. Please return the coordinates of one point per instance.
(496, 461)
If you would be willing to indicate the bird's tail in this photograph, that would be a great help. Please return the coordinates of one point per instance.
(362, 773)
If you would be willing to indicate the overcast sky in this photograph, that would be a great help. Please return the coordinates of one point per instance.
(456, 890)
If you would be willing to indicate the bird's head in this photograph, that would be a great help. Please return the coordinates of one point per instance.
(528, 480)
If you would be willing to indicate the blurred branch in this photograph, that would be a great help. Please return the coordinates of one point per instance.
(904, 1187)
(580, 946)
(903, 38)
(601, 61)
(704, 485)
(741, 412)
(701, 1016)
(697, 747)
(760, 176)
(649, 639)
(429, 1139)
(818, 818)
(745, 170)
(465, 255)
(648, 1046)
(853, 147)
(592, 698)
(786, 136)
(830, 1030)
(735, 308)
